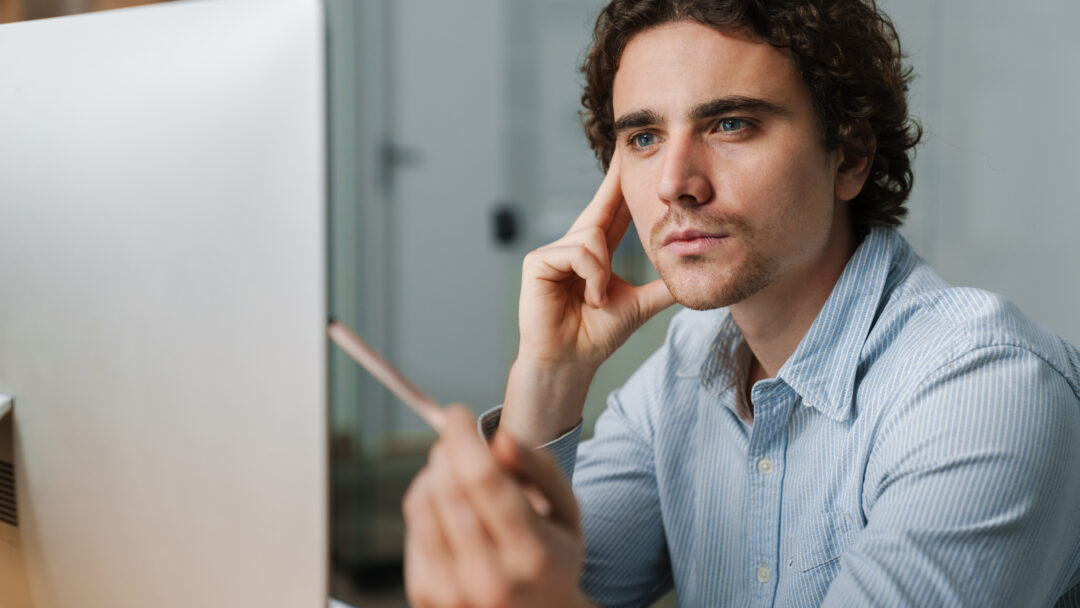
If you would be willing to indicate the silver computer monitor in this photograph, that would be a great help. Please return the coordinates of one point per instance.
(163, 307)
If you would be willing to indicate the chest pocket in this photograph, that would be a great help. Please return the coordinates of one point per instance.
(823, 538)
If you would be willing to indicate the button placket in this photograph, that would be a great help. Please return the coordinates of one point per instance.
(773, 408)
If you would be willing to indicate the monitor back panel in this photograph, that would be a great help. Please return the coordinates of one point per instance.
(162, 304)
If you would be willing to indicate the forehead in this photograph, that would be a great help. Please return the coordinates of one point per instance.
(677, 65)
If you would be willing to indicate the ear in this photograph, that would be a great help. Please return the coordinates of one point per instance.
(856, 159)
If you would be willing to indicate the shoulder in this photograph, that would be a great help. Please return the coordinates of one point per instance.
(925, 327)
(960, 377)
(951, 368)
(948, 372)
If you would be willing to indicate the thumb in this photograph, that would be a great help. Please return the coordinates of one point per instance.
(652, 298)
(538, 472)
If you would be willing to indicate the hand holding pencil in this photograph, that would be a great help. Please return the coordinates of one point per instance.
(486, 524)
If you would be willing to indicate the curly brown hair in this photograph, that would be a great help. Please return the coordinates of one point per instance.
(847, 52)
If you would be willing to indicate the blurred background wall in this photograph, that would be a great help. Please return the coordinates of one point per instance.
(996, 200)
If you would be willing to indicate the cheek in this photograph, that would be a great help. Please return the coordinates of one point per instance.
(642, 200)
(643, 232)
(779, 186)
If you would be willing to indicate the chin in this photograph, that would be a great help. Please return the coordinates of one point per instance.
(704, 288)
(697, 303)
(698, 299)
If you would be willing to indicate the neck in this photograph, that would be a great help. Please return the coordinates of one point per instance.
(774, 320)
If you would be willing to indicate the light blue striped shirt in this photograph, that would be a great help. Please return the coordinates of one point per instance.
(921, 447)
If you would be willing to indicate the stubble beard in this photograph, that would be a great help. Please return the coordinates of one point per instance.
(703, 282)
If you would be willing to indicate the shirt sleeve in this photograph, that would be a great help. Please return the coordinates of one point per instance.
(564, 448)
(626, 557)
(972, 491)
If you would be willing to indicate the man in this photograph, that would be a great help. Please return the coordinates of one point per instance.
(831, 424)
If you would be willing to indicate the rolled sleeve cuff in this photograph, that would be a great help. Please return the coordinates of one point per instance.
(564, 448)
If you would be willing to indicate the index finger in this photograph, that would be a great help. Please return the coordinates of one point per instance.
(539, 469)
(499, 502)
(605, 204)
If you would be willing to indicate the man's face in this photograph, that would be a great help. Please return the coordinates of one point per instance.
(723, 165)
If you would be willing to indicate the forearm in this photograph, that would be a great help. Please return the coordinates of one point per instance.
(543, 401)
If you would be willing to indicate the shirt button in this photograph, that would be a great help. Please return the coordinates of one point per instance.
(765, 466)
(763, 574)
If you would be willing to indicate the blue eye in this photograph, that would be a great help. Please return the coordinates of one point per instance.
(643, 140)
(730, 125)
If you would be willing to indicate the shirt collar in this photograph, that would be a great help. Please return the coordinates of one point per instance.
(823, 368)
(726, 363)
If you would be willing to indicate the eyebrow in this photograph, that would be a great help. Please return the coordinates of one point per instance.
(728, 105)
(636, 120)
(709, 109)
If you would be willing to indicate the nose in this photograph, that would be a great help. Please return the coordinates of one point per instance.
(683, 179)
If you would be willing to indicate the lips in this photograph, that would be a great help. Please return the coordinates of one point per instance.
(692, 242)
(690, 235)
